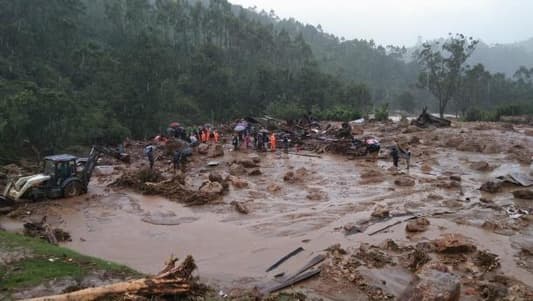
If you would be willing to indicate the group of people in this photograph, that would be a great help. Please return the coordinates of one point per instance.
(259, 140)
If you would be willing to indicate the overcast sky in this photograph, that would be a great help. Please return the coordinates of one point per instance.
(400, 22)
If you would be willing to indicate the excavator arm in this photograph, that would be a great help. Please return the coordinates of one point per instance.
(94, 154)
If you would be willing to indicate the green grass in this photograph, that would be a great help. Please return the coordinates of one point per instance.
(47, 262)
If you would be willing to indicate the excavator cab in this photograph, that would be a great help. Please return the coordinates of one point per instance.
(64, 179)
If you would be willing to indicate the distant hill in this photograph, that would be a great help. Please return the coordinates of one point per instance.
(504, 58)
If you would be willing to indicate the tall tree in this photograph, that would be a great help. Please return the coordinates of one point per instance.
(442, 66)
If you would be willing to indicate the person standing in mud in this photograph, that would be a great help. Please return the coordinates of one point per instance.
(395, 156)
(149, 152)
(286, 144)
(235, 142)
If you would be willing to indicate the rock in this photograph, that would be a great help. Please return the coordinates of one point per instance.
(240, 207)
(449, 184)
(351, 228)
(236, 169)
(239, 183)
(452, 204)
(528, 133)
(203, 149)
(526, 194)
(492, 148)
(414, 140)
(454, 141)
(418, 258)
(216, 177)
(255, 158)
(218, 151)
(289, 177)
(453, 243)
(480, 166)
(248, 163)
(455, 178)
(470, 146)
(273, 187)
(371, 174)
(418, 225)
(212, 187)
(491, 187)
(380, 212)
(486, 260)
(433, 285)
(404, 181)
(316, 195)
(255, 172)
(426, 168)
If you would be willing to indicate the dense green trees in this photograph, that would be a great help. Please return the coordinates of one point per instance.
(95, 71)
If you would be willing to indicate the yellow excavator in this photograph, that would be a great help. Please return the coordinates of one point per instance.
(62, 176)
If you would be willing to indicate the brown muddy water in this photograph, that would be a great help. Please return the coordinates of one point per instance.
(232, 249)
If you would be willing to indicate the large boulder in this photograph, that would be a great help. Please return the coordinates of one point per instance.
(452, 244)
(433, 285)
(418, 225)
(203, 149)
(248, 163)
(212, 187)
(236, 169)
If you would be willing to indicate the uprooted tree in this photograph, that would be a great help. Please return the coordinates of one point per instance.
(443, 65)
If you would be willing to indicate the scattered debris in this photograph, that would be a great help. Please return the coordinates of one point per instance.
(404, 181)
(526, 194)
(240, 207)
(284, 258)
(433, 285)
(491, 187)
(44, 231)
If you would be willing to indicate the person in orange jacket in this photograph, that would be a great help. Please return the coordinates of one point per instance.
(273, 142)
(216, 136)
(203, 136)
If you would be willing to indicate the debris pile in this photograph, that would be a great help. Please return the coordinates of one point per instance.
(44, 231)
(174, 188)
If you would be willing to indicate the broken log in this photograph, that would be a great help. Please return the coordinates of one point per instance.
(171, 281)
(284, 258)
(291, 281)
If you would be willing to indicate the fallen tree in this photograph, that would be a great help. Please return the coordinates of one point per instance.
(171, 281)
(425, 119)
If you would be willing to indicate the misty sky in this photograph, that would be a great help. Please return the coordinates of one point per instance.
(400, 22)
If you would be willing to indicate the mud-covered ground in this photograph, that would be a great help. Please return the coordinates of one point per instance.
(483, 239)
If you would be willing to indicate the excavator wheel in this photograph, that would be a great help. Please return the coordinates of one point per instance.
(72, 189)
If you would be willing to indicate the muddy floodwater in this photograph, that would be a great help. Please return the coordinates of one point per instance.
(234, 249)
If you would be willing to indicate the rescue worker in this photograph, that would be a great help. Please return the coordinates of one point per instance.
(216, 136)
(204, 136)
(149, 152)
(273, 142)
(286, 144)
(395, 155)
(235, 142)
(180, 157)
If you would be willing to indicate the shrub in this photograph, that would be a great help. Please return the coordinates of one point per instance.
(381, 113)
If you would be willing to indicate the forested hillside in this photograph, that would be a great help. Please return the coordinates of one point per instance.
(85, 71)
(76, 72)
